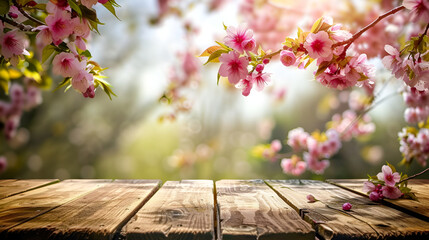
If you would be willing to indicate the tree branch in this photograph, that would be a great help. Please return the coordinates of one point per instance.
(413, 176)
(358, 34)
(20, 26)
(26, 14)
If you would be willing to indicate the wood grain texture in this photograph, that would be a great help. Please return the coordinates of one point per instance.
(23, 207)
(419, 186)
(97, 215)
(366, 220)
(249, 209)
(10, 187)
(179, 210)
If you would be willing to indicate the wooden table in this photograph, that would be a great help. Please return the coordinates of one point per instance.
(203, 209)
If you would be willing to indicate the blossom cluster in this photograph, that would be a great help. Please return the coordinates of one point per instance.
(350, 125)
(411, 64)
(417, 103)
(339, 66)
(414, 144)
(387, 184)
(61, 29)
(316, 149)
(10, 112)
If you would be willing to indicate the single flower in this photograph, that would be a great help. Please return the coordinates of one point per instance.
(318, 45)
(388, 176)
(233, 66)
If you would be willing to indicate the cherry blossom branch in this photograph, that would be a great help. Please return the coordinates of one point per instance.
(21, 26)
(358, 34)
(366, 111)
(272, 54)
(413, 176)
(26, 14)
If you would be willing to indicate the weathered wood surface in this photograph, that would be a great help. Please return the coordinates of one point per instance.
(22, 207)
(10, 187)
(179, 210)
(366, 220)
(419, 186)
(96, 215)
(196, 209)
(251, 210)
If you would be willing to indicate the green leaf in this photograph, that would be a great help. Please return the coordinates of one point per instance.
(218, 77)
(4, 7)
(63, 83)
(110, 6)
(86, 53)
(309, 62)
(209, 51)
(214, 56)
(223, 45)
(316, 25)
(106, 87)
(47, 52)
(322, 68)
(4, 84)
(224, 26)
(75, 7)
(391, 166)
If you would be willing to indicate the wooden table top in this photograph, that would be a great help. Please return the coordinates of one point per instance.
(203, 209)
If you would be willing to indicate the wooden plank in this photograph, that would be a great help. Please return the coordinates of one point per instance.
(10, 187)
(179, 210)
(249, 209)
(419, 186)
(366, 220)
(25, 206)
(97, 215)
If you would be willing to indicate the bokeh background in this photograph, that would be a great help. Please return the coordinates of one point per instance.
(138, 136)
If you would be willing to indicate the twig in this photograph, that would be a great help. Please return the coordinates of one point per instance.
(22, 27)
(358, 34)
(26, 14)
(413, 176)
(366, 111)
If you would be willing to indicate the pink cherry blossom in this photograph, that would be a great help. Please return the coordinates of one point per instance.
(318, 45)
(314, 164)
(233, 66)
(13, 43)
(259, 68)
(270, 153)
(67, 65)
(311, 198)
(419, 9)
(388, 176)
(3, 164)
(297, 139)
(90, 92)
(103, 1)
(246, 85)
(88, 3)
(375, 196)
(293, 165)
(33, 98)
(368, 187)
(347, 206)
(81, 28)
(44, 37)
(60, 25)
(391, 192)
(287, 58)
(240, 39)
(82, 81)
(260, 79)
